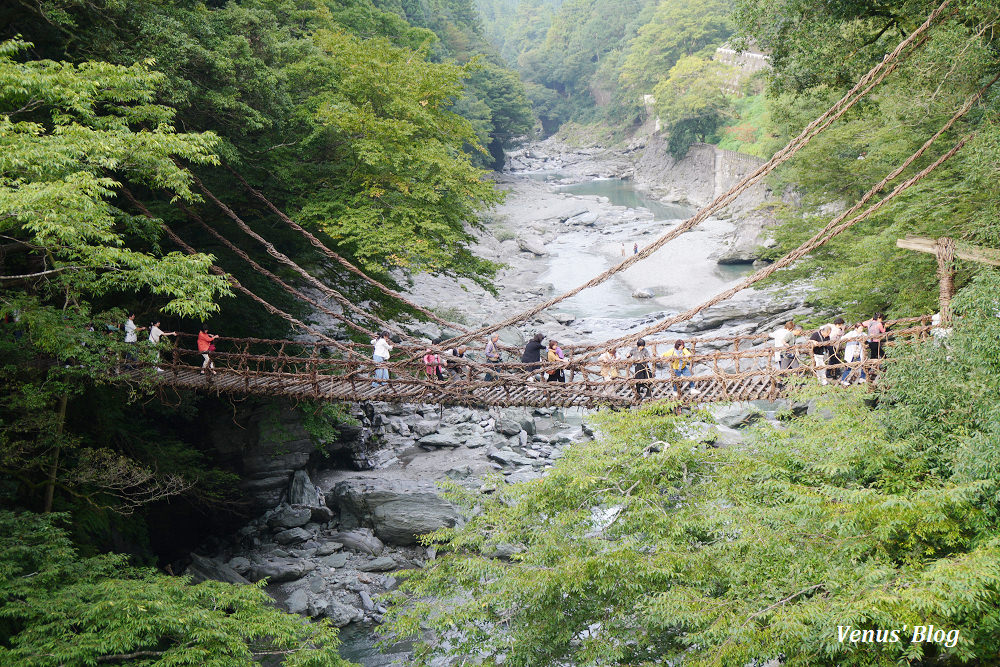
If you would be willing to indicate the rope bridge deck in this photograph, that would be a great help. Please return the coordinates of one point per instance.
(311, 371)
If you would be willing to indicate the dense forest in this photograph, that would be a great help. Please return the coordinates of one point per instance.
(376, 123)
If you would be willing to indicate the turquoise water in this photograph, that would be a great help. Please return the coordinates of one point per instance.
(622, 193)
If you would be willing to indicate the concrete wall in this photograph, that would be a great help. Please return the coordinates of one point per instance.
(702, 175)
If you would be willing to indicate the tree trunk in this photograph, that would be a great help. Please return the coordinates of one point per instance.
(50, 487)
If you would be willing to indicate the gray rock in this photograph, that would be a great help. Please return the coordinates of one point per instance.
(508, 457)
(280, 570)
(321, 514)
(643, 293)
(522, 438)
(380, 564)
(290, 517)
(735, 415)
(316, 584)
(366, 601)
(240, 564)
(574, 212)
(334, 560)
(588, 219)
(301, 490)
(361, 540)
(202, 569)
(436, 440)
(528, 425)
(297, 602)
(533, 246)
(327, 548)
(564, 318)
(396, 510)
(425, 427)
(292, 535)
(728, 437)
(522, 475)
(476, 441)
(339, 613)
(508, 427)
(459, 473)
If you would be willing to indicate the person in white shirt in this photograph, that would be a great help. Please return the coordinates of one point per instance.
(784, 338)
(131, 329)
(853, 351)
(380, 355)
(155, 334)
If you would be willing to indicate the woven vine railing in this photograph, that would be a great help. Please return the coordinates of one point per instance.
(740, 368)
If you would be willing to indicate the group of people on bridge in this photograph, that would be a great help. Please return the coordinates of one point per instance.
(835, 352)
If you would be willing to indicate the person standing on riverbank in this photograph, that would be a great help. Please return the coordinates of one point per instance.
(623, 249)
(206, 346)
(635, 249)
(380, 354)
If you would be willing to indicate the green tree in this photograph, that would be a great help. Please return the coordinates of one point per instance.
(676, 29)
(691, 103)
(862, 271)
(57, 608)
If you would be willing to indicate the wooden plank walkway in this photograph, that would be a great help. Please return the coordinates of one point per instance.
(478, 393)
(313, 371)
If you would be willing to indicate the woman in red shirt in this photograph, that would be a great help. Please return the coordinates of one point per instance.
(206, 347)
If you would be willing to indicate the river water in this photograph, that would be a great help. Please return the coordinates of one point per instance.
(680, 275)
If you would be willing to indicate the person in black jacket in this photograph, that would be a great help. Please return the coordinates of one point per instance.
(533, 352)
(820, 341)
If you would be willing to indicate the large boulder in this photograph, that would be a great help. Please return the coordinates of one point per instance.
(361, 540)
(281, 569)
(534, 246)
(396, 510)
(438, 440)
(301, 490)
(290, 517)
(735, 415)
(202, 569)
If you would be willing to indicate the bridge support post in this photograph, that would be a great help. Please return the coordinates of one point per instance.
(944, 251)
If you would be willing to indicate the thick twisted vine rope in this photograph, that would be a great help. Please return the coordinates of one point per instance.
(215, 270)
(274, 278)
(271, 250)
(834, 228)
(319, 245)
(863, 86)
(831, 230)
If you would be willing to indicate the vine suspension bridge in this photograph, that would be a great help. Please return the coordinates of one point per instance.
(732, 369)
(744, 369)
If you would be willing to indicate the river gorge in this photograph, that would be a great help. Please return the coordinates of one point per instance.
(330, 539)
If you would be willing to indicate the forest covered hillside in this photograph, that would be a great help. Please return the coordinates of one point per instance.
(379, 125)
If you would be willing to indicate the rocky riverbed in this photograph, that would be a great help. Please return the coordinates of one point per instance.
(332, 531)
